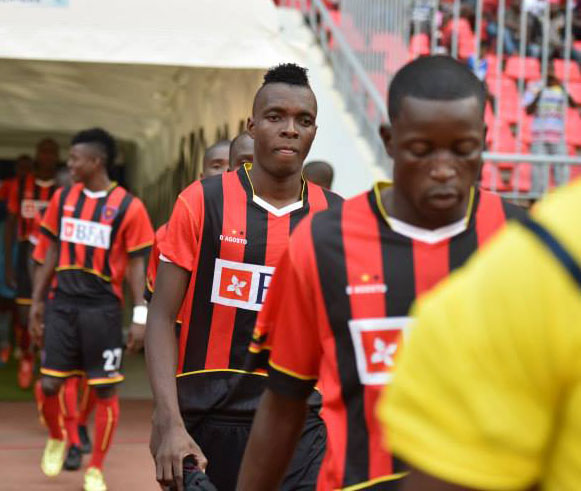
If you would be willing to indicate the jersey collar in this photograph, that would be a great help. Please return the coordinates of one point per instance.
(99, 194)
(265, 205)
(44, 184)
(418, 233)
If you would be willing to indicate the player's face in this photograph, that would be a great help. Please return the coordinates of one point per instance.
(24, 165)
(437, 148)
(242, 152)
(217, 162)
(47, 154)
(283, 127)
(82, 162)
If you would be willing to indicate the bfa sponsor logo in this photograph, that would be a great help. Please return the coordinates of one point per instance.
(85, 232)
(376, 343)
(240, 285)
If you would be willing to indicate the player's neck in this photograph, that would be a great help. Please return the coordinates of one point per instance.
(98, 182)
(44, 174)
(277, 191)
(397, 206)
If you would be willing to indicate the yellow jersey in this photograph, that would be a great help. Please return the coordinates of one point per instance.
(487, 390)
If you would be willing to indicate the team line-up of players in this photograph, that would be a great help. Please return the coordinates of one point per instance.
(273, 308)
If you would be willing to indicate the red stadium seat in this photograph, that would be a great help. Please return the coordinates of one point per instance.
(384, 42)
(575, 91)
(491, 60)
(573, 128)
(574, 73)
(508, 96)
(506, 142)
(532, 68)
(419, 45)
(527, 122)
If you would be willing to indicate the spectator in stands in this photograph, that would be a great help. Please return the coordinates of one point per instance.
(557, 33)
(548, 104)
(319, 172)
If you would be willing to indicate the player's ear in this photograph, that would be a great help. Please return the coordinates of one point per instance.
(386, 133)
(250, 126)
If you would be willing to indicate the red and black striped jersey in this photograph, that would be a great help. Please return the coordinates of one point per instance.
(230, 239)
(336, 309)
(96, 233)
(153, 262)
(28, 196)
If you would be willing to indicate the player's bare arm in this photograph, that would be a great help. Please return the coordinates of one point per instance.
(170, 441)
(275, 432)
(136, 280)
(42, 277)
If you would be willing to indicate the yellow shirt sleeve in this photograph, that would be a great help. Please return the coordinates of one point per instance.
(479, 383)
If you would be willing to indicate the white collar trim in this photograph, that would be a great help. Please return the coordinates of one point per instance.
(277, 212)
(95, 194)
(44, 184)
(425, 235)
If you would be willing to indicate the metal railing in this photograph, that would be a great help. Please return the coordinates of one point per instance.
(367, 41)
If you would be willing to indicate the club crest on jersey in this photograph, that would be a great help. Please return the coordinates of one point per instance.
(109, 213)
(240, 285)
(85, 232)
(376, 343)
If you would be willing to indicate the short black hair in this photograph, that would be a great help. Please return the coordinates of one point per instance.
(101, 139)
(221, 143)
(439, 78)
(287, 73)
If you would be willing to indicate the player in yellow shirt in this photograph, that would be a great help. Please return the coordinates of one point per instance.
(487, 393)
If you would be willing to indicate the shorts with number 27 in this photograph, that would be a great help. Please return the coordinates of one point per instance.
(83, 337)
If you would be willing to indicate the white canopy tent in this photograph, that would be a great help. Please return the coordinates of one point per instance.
(152, 72)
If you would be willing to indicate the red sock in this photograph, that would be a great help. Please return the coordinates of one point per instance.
(69, 394)
(51, 411)
(87, 402)
(39, 397)
(106, 418)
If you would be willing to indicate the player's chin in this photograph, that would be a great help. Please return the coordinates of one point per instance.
(287, 164)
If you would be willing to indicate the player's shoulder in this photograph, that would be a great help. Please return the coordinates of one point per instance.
(326, 226)
(559, 213)
(491, 201)
(161, 232)
(322, 198)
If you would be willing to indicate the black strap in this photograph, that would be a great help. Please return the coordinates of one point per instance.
(560, 253)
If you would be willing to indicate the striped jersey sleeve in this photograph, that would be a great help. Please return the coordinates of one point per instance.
(287, 325)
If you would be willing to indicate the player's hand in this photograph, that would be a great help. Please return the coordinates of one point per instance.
(136, 338)
(36, 322)
(169, 448)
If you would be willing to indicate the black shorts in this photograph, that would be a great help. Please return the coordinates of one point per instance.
(23, 282)
(223, 442)
(83, 337)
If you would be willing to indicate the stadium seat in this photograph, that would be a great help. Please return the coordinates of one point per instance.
(527, 122)
(419, 45)
(491, 60)
(575, 91)
(573, 129)
(508, 96)
(574, 73)
(531, 71)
